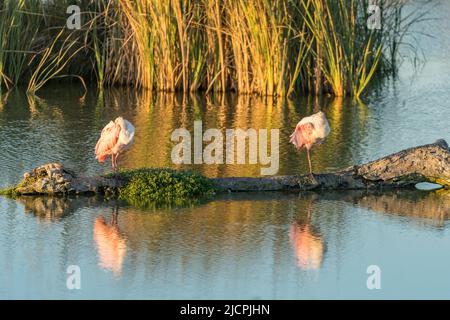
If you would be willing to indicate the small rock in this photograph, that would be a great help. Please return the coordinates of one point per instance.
(53, 178)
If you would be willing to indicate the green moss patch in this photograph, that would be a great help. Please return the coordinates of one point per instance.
(149, 187)
(13, 192)
(9, 192)
(26, 182)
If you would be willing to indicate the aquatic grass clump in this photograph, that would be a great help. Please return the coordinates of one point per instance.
(151, 186)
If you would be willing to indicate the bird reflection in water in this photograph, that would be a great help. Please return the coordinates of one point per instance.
(110, 243)
(307, 243)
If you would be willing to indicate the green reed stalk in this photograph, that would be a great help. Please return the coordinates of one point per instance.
(52, 62)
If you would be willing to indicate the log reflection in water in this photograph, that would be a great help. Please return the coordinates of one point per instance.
(56, 207)
(47, 207)
(433, 205)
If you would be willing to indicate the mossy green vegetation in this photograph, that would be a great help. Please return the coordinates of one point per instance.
(154, 187)
(9, 192)
(28, 181)
(12, 191)
(147, 187)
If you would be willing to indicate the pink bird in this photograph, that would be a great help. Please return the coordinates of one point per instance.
(116, 137)
(310, 131)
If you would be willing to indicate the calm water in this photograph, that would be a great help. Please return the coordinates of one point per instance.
(308, 245)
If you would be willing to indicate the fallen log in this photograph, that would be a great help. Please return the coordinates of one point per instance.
(426, 163)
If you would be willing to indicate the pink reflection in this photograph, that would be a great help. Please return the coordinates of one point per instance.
(111, 245)
(307, 246)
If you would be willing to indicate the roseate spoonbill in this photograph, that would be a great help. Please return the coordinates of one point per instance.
(310, 131)
(116, 137)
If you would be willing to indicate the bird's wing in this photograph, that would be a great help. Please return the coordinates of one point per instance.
(126, 136)
(107, 141)
(321, 126)
(128, 133)
(108, 127)
(303, 134)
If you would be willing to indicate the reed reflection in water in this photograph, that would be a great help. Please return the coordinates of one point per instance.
(71, 129)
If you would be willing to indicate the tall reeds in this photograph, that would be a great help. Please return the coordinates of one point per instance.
(347, 53)
(20, 21)
(264, 47)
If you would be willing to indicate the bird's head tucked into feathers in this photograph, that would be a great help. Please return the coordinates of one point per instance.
(127, 130)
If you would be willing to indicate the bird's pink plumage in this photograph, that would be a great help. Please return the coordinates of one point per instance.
(107, 141)
(303, 135)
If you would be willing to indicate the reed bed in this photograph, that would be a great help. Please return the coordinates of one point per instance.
(263, 47)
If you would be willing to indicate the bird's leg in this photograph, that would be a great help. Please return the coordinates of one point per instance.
(114, 216)
(309, 162)
(113, 162)
(313, 179)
